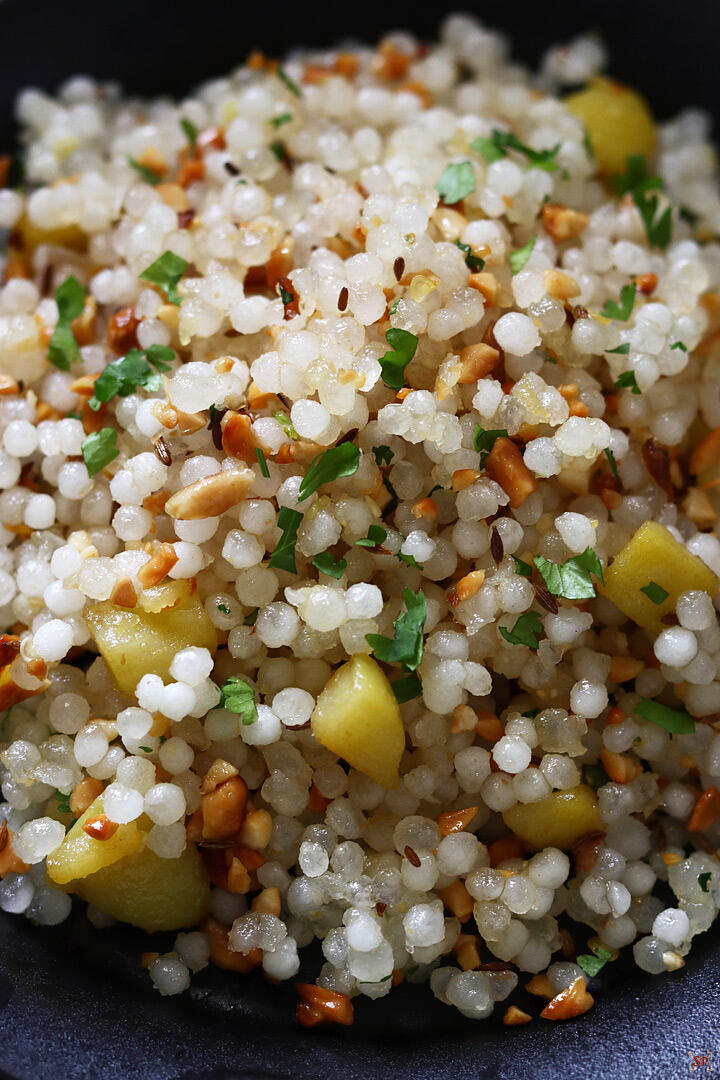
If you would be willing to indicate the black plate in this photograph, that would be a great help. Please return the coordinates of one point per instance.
(74, 1004)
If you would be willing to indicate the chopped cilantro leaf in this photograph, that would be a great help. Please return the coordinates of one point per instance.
(383, 455)
(261, 461)
(621, 311)
(456, 182)
(502, 141)
(407, 688)
(144, 173)
(393, 307)
(166, 272)
(406, 646)
(376, 535)
(613, 464)
(679, 345)
(488, 148)
(99, 449)
(704, 881)
(526, 631)
(409, 560)
(628, 381)
(278, 150)
(676, 721)
(571, 579)
(123, 376)
(285, 296)
(655, 592)
(63, 349)
(63, 802)
(590, 964)
(325, 563)
(283, 557)
(622, 349)
(635, 176)
(147, 749)
(522, 568)
(239, 697)
(223, 609)
(285, 423)
(658, 229)
(292, 86)
(473, 262)
(251, 619)
(519, 258)
(594, 775)
(190, 131)
(283, 118)
(402, 349)
(483, 441)
(333, 464)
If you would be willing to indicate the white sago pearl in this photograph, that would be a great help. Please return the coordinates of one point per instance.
(265, 730)
(122, 804)
(242, 550)
(37, 839)
(190, 560)
(137, 773)
(277, 625)
(192, 665)
(62, 601)
(576, 530)
(175, 755)
(20, 438)
(675, 646)
(293, 706)
(169, 975)
(177, 700)
(131, 523)
(363, 601)
(91, 745)
(133, 723)
(68, 713)
(516, 333)
(588, 698)
(512, 754)
(310, 419)
(164, 803)
(53, 640)
(672, 925)
(73, 481)
(66, 560)
(695, 610)
(39, 511)
(313, 859)
(149, 693)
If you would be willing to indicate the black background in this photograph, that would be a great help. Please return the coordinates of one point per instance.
(74, 1005)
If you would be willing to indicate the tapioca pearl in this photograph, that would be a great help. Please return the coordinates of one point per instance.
(695, 610)
(53, 640)
(122, 804)
(516, 333)
(20, 438)
(190, 560)
(675, 647)
(192, 665)
(164, 804)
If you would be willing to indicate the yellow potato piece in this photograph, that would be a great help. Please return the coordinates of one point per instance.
(558, 820)
(69, 236)
(358, 718)
(150, 892)
(134, 642)
(654, 554)
(618, 122)
(80, 855)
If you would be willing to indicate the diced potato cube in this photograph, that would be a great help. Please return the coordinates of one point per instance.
(558, 820)
(654, 555)
(68, 236)
(136, 641)
(80, 855)
(618, 121)
(358, 718)
(150, 892)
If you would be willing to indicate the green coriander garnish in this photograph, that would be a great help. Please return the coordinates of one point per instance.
(325, 563)
(628, 381)
(621, 311)
(655, 592)
(166, 272)
(519, 258)
(283, 557)
(261, 461)
(239, 697)
(223, 609)
(376, 536)
(191, 132)
(622, 349)
(292, 87)
(407, 688)
(406, 646)
(383, 455)
(456, 182)
(658, 228)
(393, 307)
(63, 802)
(526, 631)
(283, 118)
(483, 441)
(522, 568)
(473, 262)
(676, 721)
(123, 376)
(63, 349)
(409, 560)
(613, 464)
(590, 964)
(594, 775)
(146, 749)
(635, 176)
(144, 173)
(278, 150)
(496, 147)
(402, 345)
(704, 881)
(99, 449)
(251, 619)
(571, 579)
(285, 423)
(333, 464)
(679, 345)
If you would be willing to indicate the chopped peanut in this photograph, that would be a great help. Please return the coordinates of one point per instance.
(468, 585)
(569, 1003)
(238, 878)
(477, 361)
(238, 439)
(83, 327)
(100, 827)
(152, 159)
(223, 809)
(646, 283)
(624, 668)
(158, 567)
(586, 851)
(8, 385)
(256, 830)
(268, 902)
(697, 506)
(466, 951)
(464, 478)
(487, 284)
(463, 719)
(122, 331)
(706, 454)
(210, 496)
(425, 508)
(190, 172)
(705, 812)
(173, 196)
(165, 414)
(189, 423)
(123, 593)
(457, 899)
(223, 956)
(621, 768)
(562, 223)
(217, 774)
(540, 986)
(560, 285)
(453, 821)
(84, 793)
(488, 726)
(320, 1006)
(508, 847)
(10, 863)
(506, 467)
(514, 1016)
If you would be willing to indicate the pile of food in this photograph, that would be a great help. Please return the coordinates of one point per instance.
(360, 470)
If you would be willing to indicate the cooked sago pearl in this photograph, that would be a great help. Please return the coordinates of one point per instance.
(37, 839)
(192, 665)
(512, 754)
(672, 925)
(167, 841)
(91, 745)
(68, 713)
(175, 755)
(675, 646)
(695, 610)
(39, 512)
(133, 723)
(277, 624)
(516, 333)
(164, 803)
(53, 640)
(577, 531)
(588, 698)
(137, 773)
(264, 731)
(242, 550)
(169, 974)
(313, 859)
(149, 693)
(177, 700)
(324, 608)
(122, 804)
(293, 706)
